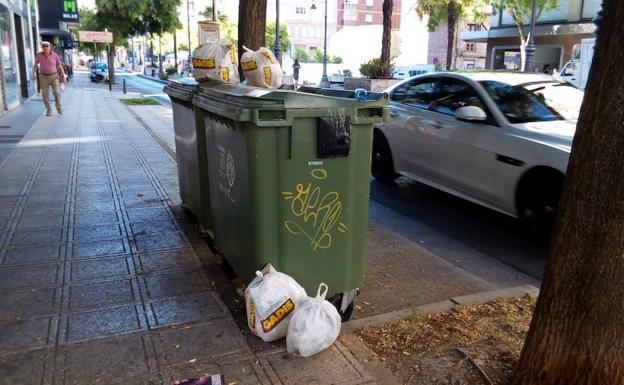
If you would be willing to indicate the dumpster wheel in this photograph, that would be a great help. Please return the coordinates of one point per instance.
(337, 302)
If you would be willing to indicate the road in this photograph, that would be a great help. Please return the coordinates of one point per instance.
(479, 240)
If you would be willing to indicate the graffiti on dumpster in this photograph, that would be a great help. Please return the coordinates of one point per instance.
(315, 214)
(227, 172)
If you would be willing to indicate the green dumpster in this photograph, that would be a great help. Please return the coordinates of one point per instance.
(290, 180)
(190, 142)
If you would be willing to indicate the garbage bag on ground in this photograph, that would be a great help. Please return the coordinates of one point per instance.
(270, 300)
(261, 68)
(314, 326)
(217, 61)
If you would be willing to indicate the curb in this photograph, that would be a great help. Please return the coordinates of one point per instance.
(438, 307)
(153, 79)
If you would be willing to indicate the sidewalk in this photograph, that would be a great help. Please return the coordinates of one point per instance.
(102, 277)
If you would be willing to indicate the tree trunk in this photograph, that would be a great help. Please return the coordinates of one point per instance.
(450, 37)
(523, 44)
(251, 25)
(111, 63)
(386, 39)
(576, 335)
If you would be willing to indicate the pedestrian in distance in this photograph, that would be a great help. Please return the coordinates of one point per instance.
(51, 73)
(296, 66)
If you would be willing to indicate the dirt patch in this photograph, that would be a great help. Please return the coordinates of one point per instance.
(451, 347)
(400, 274)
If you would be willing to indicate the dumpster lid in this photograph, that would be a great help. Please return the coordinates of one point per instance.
(181, 89)
(305, 97)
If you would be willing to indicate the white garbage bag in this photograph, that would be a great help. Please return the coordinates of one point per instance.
(314, 326)
(271, 298)
(261, 68)
(217, 61)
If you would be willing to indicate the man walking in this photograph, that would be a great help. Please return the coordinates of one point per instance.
(50, 68)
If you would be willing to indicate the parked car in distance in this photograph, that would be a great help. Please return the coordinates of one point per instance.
(98, 72)
(499, 139)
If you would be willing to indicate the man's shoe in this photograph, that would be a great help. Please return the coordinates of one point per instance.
(60, 111)
(49, 113)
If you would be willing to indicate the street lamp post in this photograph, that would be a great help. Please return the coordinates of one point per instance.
(324, 79)
(188, 31)
(277, 48)
(530, 47)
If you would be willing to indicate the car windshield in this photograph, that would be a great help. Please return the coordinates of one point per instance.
(99, 66)
(562, 97)
(519, 104)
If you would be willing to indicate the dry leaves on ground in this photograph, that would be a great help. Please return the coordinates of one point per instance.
(423, 349)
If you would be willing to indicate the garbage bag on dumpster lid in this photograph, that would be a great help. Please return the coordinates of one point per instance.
(271, 299)
(217, 61)
(261, 68)
(314, 326)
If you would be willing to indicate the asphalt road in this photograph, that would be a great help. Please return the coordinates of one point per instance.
(464, 233)
(479, 240)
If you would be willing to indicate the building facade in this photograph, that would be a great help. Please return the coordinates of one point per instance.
(366, 12)
(558, 35)
(305, 22)
(18, 30)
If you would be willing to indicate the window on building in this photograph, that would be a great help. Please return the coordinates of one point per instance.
(370, 3)
(351, 2)
(300, 10)
(470, 47)
(369, 18)
(474, 27)
(350, 16)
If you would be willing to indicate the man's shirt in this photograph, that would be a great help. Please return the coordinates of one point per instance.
(49, 63)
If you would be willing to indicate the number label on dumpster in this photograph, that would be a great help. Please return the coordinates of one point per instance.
(314, 213)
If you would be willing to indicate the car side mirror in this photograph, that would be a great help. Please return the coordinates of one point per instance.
(471, 113)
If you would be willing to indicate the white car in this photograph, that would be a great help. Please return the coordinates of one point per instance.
(501, 140)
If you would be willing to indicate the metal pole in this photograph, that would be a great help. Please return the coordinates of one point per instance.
(324, 79)
(132, 39)
(214, 10)
(530, 48)
(188, 30)
(124, 86)
(277, 49)
(188, 25)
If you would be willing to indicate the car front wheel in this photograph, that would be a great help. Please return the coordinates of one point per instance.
(382, 167)
(539, 204)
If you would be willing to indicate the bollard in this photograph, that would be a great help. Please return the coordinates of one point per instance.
(124, 86)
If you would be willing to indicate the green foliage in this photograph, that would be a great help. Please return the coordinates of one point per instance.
(139, 102)
(207, 13)
(269, 36)
(438, 67)
(373, 68)
(316, 57)
(171, 70)
(302, 55)
(436, 10)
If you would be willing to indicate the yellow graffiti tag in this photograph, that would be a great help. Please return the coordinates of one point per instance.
(319, 173)
(316, 213)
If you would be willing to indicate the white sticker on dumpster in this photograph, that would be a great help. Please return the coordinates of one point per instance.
(227, 172)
